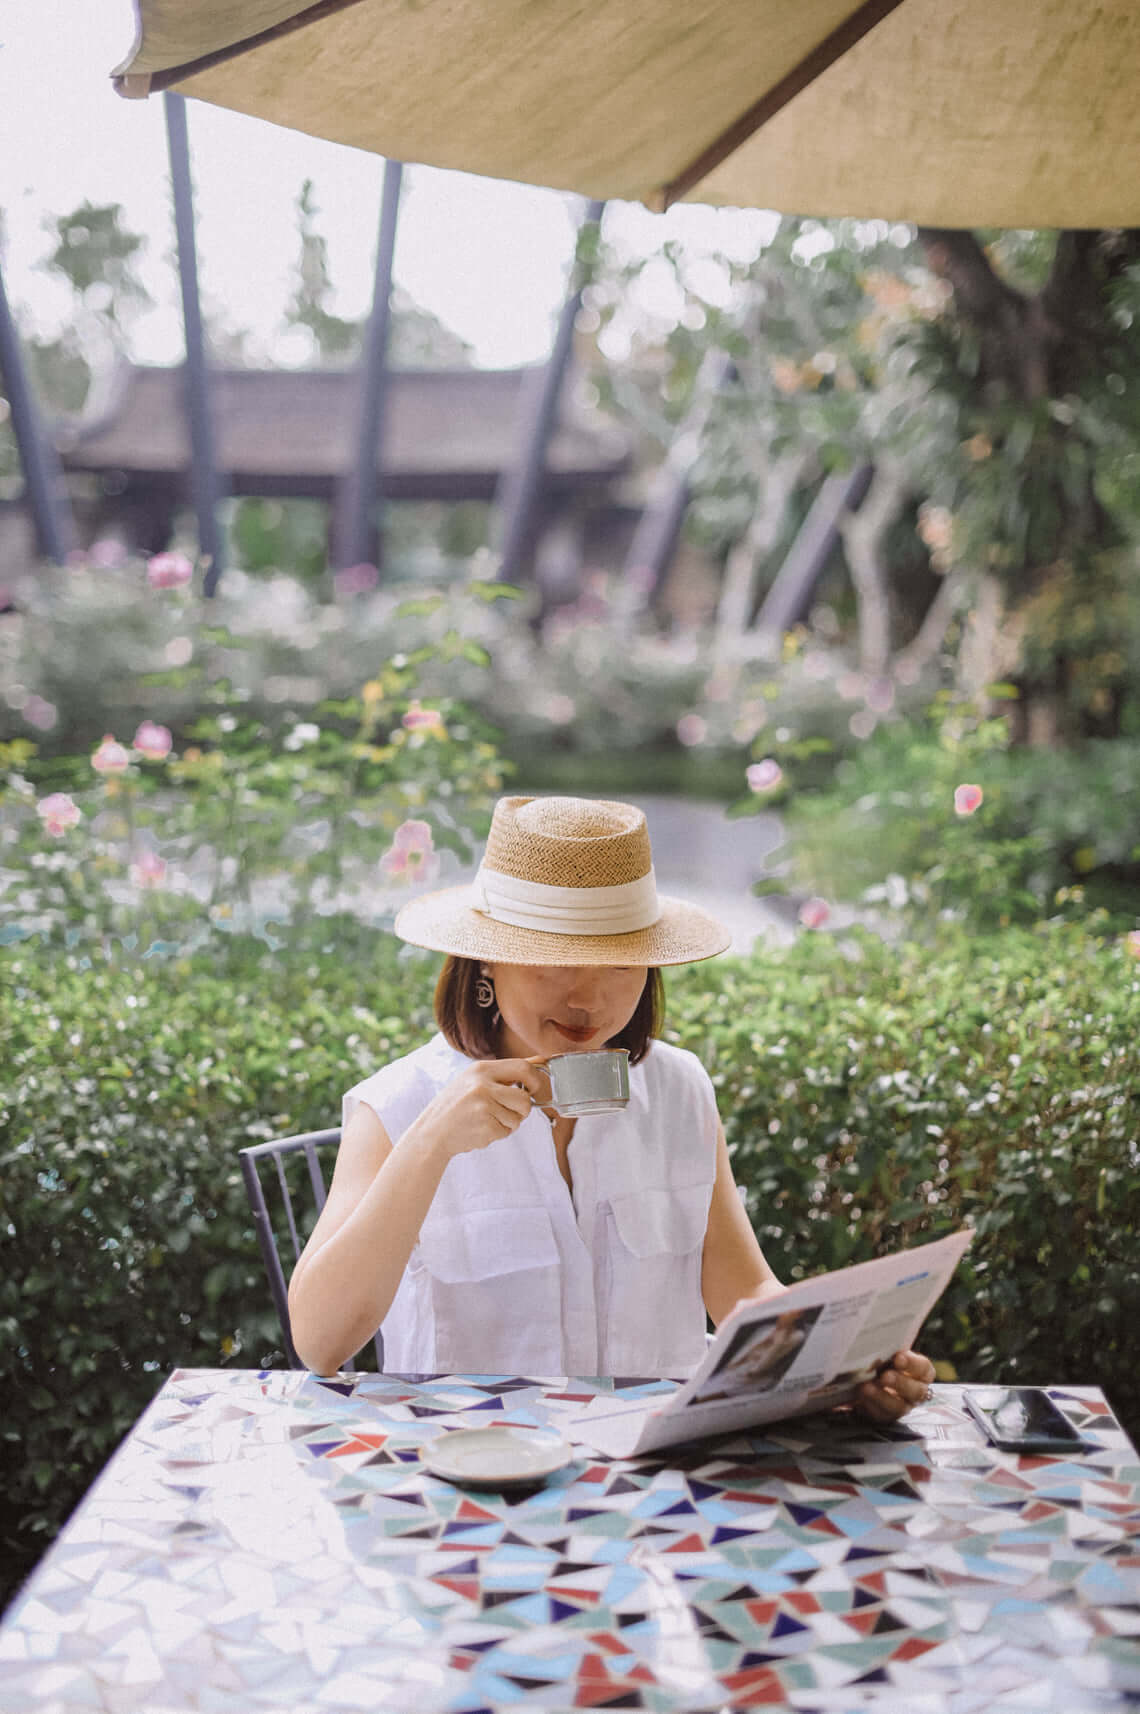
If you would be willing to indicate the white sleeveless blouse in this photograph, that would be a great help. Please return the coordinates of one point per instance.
(513, 1275)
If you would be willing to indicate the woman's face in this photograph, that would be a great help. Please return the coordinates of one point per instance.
(548, 1010)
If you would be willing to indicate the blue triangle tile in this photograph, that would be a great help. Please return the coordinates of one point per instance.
(786, 1626)
(560, 1610)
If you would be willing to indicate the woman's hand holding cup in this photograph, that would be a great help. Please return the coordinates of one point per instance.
(486, 1101)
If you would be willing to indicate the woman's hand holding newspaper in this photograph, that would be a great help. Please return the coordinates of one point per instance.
(899, 1385)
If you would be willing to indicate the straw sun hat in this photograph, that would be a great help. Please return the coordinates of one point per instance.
(564, 880)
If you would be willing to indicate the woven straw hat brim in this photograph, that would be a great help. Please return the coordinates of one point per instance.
(446, 922)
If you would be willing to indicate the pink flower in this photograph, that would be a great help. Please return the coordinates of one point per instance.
(40, 713)
(107, 553)
(153, 741)
(814, 913)
(111, 757)
(691, 730)
(356, 579)
(149, 870)
(421, 719)
(1132, 942)
(967, 799)
(764, 776)
(168, 570)
(411, 855)
(58, 812)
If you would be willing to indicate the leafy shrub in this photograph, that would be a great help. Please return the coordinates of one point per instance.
(248, 819)
(125, 1242)
(1056, 830)
(96, 648)
(872, 1097)
(879, 1096)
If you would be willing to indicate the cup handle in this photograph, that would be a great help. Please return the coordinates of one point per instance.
(540, 1064)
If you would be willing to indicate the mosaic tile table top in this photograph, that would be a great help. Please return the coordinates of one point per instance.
(269, 1541)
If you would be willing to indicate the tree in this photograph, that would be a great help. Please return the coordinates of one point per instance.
(1039, 351)
(94, 253)
(991, 382)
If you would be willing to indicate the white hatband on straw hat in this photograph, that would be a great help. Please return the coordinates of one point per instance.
(564, 880)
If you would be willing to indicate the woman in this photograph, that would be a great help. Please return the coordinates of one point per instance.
(482, 1231)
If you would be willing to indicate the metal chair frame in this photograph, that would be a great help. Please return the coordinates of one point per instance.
(308, 1143)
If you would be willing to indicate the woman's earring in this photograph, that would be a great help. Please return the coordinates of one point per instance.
(484, 991)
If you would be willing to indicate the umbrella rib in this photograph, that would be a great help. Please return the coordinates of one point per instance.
(845, 35)
(137, 84)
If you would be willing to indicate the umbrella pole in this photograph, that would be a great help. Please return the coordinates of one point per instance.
(203, 471)
(521, 487)
(358, 536)
(43, 477)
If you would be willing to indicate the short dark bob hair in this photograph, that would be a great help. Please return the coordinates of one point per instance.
(475, 1030)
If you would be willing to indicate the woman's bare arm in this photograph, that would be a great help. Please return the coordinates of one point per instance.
(733, 1265)
(348, 1272)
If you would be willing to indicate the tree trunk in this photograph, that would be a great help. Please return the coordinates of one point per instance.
(738, 592)
(910, 663)
(864, 533)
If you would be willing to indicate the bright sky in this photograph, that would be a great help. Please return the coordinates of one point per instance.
(488, 258)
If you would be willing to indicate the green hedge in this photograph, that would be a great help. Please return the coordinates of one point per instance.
(872, 1095)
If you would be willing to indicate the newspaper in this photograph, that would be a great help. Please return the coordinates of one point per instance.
(804, 1350)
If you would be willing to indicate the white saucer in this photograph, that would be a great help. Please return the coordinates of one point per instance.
(496, 1456)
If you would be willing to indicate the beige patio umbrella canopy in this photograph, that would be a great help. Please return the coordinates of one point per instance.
(946, 112)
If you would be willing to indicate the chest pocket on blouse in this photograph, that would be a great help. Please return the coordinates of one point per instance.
(494, 1282)
(655, 1314)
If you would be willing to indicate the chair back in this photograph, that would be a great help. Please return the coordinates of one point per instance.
(265, 1164)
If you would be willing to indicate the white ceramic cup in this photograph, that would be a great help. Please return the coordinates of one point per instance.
(585, 1083)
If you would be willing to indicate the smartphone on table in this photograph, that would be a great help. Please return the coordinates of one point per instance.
(1022, 1419)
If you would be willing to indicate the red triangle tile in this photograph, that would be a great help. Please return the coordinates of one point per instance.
(469, 1512)
(912, 1648)
(466, 1586)
(802, 1600)
(756, 1687)
(611, 1644)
